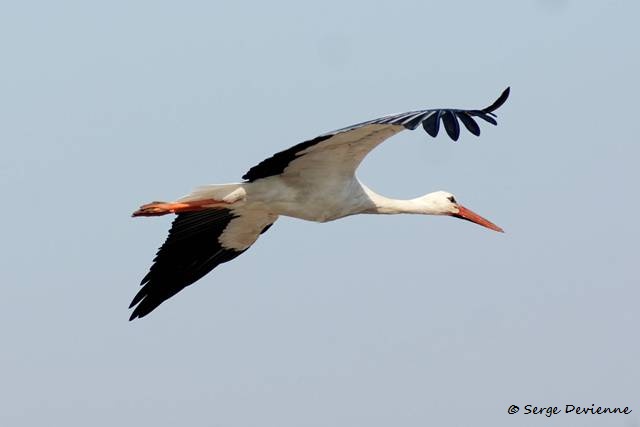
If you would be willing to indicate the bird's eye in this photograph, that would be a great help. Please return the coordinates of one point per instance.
(452, 199)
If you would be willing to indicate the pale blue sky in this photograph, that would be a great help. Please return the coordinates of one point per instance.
(367, 321)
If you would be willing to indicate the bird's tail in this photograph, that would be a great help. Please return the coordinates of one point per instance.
(229, 193)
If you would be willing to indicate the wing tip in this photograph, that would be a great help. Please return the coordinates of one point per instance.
(136, 311)
(141, 309)
(498, 102)
(449, 117)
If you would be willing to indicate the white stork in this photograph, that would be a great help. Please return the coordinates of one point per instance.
(314, 180)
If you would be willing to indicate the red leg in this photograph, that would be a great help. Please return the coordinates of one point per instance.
(163, 208)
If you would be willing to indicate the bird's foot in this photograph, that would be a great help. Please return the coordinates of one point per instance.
(153, 209)
(163, 208)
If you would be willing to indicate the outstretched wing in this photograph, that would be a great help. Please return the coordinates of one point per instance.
(341, 151)
(197, 243)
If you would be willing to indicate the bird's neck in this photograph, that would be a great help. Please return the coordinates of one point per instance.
(388, 206)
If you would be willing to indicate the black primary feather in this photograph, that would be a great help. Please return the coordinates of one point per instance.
(451, 125)
(432, 124)
(468, 122)
(498, 102)
(415, 122)
(484, 116)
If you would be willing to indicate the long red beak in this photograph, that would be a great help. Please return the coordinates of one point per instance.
(469, 215)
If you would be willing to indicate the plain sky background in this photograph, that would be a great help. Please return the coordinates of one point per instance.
(366, 321)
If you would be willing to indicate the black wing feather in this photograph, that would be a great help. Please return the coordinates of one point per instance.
(275, 164)
(414, 122)
(191, 251)
(498, 102)
(432, 124)
(468, 122)
(451, 124)
(484, 116)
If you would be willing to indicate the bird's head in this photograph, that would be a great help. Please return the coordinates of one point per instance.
(444, 203)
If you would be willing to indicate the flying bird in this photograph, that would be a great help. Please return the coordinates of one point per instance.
(314, 180)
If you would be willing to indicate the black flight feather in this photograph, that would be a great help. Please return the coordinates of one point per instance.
(468, 122)
(432, 124)
(451, 124)
(191, 250)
